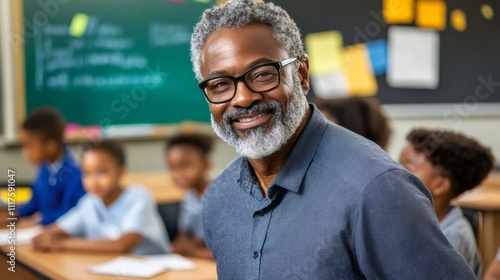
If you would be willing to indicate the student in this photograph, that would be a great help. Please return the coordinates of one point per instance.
(109, 219)
(187, 156)
(361, 115)
(449, 164)
(493, 272)
(58, 184)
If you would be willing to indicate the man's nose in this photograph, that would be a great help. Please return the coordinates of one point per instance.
(244, 97)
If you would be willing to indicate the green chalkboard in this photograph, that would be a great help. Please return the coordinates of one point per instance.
(111, 62)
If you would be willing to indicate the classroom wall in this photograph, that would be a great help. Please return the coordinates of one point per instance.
(148, 155)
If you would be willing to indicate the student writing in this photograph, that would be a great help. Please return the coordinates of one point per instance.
(109, 218)
(58, 184)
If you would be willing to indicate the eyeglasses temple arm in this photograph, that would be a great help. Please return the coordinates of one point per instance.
(287, 61)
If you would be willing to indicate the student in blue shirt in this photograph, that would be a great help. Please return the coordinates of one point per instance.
(58, 184)
(449, 163)
(188, 159)
(109, 218)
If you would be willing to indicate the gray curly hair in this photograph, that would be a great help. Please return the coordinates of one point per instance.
(238, 13)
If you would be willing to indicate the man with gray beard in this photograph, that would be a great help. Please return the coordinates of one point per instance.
(307, 199)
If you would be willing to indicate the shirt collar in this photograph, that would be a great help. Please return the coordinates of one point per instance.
(297, 163)
(452, 216)
(57, 165)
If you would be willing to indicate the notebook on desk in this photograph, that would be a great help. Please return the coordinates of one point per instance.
(143, 267)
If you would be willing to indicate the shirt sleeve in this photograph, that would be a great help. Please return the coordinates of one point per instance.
(397, 235)
(73, 222)
(498, 255)
(139, 213)
(32, 206)
(182, 223)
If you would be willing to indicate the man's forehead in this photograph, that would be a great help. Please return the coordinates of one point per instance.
(241, 46)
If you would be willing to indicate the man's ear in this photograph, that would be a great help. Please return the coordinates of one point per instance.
(304, 73)
(440, 186)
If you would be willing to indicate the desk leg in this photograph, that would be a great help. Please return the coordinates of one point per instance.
(489, 236)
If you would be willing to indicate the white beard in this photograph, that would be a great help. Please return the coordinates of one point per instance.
(261, 141)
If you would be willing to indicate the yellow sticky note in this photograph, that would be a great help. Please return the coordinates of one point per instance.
(458, 20)
(358, 71)
(78, 25)
(431, 14)
(487, 11)
(22, 195)
(324, 50)
(398, 11)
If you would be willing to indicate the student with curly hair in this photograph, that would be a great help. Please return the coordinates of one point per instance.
(449, 163)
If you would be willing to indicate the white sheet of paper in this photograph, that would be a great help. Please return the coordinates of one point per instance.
(330, 85)
(127, 267)
(413, 58)
(170, 261)
(22, 235)
(143, 267)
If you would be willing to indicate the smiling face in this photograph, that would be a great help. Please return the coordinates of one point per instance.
(101, 173)
(256, 124)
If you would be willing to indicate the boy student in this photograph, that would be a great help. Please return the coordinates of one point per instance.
(449, 163)
(58, 184)
(109, 218)
(187, 156)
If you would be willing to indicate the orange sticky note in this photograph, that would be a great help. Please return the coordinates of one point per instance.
(431, 14)
(358, 71)
(398, 11)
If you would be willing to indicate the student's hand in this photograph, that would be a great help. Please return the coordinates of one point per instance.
(47, 242)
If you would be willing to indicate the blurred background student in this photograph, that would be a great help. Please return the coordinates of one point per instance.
(109, 219)
(493, 272)
(58, 184)
(362, 115)
(187, 156)
(449, 163)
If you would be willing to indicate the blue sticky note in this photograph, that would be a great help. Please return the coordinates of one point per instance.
(378, 56)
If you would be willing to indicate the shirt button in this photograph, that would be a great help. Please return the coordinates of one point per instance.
(255, 254)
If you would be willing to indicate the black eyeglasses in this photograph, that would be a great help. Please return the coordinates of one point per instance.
(259, 79)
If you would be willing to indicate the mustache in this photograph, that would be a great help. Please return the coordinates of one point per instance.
(259, 106)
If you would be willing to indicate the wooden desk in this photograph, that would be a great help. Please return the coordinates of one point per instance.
(160, 184)
(74, 266)
(492, 180)
(486, 200)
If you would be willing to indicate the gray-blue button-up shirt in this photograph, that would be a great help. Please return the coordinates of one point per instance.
(339, 208)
